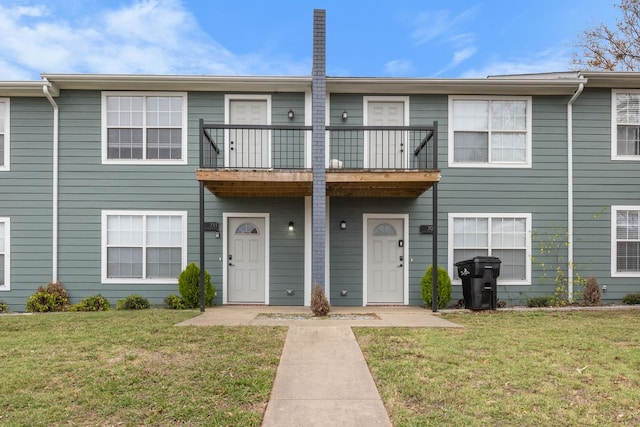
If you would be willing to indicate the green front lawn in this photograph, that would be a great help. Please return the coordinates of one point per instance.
(511, 369)
(133, 368)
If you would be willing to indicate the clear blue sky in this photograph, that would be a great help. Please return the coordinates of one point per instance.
(372, 38)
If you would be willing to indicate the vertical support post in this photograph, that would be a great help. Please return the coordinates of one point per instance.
(434, 214)
(202, 267)
(318, 106)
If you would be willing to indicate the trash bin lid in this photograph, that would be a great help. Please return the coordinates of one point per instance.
(486, 259)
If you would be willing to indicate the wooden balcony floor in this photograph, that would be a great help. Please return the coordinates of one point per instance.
(299, 182)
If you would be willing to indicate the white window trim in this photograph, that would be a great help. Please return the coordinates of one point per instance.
(184, 154)
(526, 216)
(614, 240)
(105, 214)
(614, 126)
(7, 254)
(227, 118)
(6, 166)
(511, 165)
(365, 118)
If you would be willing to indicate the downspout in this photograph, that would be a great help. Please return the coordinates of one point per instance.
(570, 191)
(50, 91)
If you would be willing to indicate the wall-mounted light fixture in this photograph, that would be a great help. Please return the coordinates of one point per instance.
(291, 114)
(343, 225)
(291, 228)
(344, 115)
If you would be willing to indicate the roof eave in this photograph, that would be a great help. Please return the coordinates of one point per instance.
(27, 88)
(179, 82)
(613, 79)
(493, 86)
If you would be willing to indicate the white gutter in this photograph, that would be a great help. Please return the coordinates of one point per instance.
(570, 191)
(54, 240)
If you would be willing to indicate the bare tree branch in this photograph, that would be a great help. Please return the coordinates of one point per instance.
(617, 49)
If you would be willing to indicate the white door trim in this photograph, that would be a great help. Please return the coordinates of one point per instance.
(225, 251)
(405, 253)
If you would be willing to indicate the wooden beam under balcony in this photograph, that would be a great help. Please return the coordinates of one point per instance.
(380, 183)
(299, 183)
(257, 183)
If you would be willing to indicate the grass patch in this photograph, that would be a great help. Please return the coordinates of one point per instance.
(509, 368)
(134, 368)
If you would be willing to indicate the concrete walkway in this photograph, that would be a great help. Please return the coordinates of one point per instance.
(323, 378)
(257, 315)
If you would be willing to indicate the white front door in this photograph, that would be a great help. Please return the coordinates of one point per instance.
(385, 261)
(248, 148)
(246, 260)
(385, 148)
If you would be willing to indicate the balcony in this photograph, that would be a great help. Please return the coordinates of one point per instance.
(275, 160)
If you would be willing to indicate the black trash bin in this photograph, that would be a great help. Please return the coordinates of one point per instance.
(479, 282)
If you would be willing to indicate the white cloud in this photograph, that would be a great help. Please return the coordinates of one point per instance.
(434, 24)
(398, 67)
(461, 55)
(145, 36)
(440, 28)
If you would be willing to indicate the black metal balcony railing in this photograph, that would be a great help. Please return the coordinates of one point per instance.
(286, 147)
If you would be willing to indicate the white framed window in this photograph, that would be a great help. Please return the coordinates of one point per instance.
(5, 254)
(504, 235)
(489, 131)
(625, 241)
(4, 134)
(144, 127)
(143, 246)
(625, 125)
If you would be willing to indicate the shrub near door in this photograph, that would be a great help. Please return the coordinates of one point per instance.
(189, 286)
(444, 287)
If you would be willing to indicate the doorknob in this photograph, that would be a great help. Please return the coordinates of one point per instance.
(231, 264)
(400, 265)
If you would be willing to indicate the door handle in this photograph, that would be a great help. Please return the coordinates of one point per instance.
(231, 264)
(400, 265)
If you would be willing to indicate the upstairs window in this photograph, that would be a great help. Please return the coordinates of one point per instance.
(625, 137)
(144, 128)
(4, 134)
(490, 131)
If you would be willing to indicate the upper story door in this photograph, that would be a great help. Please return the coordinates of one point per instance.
(385, 149)
(248, 148)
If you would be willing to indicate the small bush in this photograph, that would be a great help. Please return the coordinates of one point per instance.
(546, 301)
(591, 294)
(189, 286)
(52, 297)
(631, 299)
(319, 303)
(175, 302)
(4, 307)
(133, 302)
(92, 303)
(444, 287)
